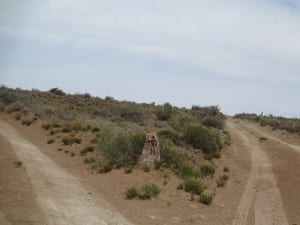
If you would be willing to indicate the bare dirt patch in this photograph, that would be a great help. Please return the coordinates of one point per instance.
(17, 200)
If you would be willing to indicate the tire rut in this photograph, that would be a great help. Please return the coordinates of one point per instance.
(61, 196)
(261, 190)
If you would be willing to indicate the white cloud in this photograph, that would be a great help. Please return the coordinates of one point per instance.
(251, 39)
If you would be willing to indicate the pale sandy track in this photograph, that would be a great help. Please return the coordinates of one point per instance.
(294, 147)
(61, 196)
(261, 194)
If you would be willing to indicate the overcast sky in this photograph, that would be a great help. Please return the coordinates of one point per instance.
(243, 55)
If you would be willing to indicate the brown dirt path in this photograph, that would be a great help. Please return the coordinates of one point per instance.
(276, 139)
(261, 203)
(61, 196)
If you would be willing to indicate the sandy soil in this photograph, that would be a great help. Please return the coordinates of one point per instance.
(171, 207)
(262, 189)
(61, 196)
(285, 162)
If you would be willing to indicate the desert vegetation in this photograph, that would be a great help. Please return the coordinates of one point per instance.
(276, 122)
(109, 134)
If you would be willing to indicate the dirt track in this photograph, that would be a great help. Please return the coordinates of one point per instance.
(62, 198)
(271, 195)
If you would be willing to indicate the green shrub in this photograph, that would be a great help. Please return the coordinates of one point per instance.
(14, 107)
(169, 134)
(88, 160)
(201, 138)
(124, 149)
(131, 112)
(86, 150)
(164, 112)
(7, 97)
(207, 170)
(214, 121)
(194, 185)
(222, 180)
(206, 198)
(148, 191)
(131, 193)
(95, 129)
(57, 91)
(27, 121)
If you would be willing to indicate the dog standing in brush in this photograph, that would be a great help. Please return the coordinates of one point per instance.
(153, 143)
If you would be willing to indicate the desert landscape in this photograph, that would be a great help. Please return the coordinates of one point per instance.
(74, 159)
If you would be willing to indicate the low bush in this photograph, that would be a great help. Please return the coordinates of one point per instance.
(226, 169)
(18, 116)
(164, 112)
(57, 91)
(222, 180)
(194, 185)
(71, 140)
(171, 135)
(88, 160)
(95, 129)
(131, 193)
(14, 107)
(206, 198)
(201, 138)
(148, 191)
(51, 141)
(124, 149)
(106, 167)
(18, 163)
(27, 121)
(207, 170)
(214, 121)
(87, 149)
(128, 170)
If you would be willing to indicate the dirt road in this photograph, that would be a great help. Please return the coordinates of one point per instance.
(61, 196)
(261, 203)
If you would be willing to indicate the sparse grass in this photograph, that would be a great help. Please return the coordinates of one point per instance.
(59, 149)
(88, 160)
(207, 170)
(147, 191)
(71, 140)
(87, 149)
(222, 180)
(18, 164)
(94, 141)
(206, 198)
(180, 186)
(106, 167)
(194, 185)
